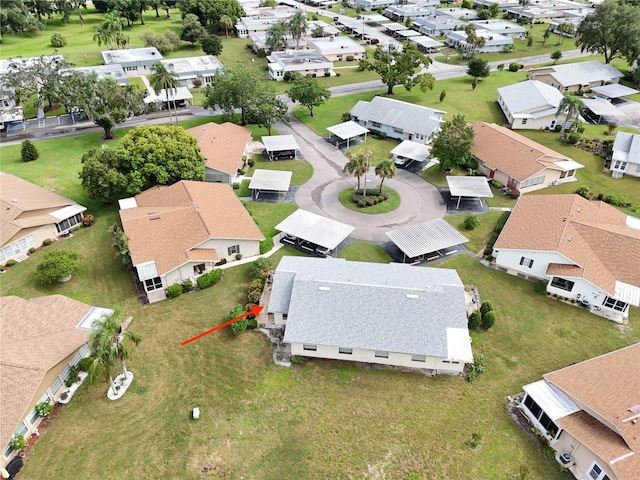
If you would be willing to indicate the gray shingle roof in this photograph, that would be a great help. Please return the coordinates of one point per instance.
(582, 73)
(531, 96)
(388, 307)
(406, 116)
(627, 147)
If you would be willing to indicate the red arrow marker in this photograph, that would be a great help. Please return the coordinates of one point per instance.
(255, 310)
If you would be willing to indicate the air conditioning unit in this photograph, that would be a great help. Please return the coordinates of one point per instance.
(565, 458)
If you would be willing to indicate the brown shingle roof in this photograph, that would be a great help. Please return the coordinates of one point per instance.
(222, 145)
(607, 386)
(593, 235)
(172, 220)
(507, 151)
(25, 205)
(35, 335)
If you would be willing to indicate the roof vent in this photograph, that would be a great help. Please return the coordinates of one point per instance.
(579, 209)
(569, 238)
(634, 409)
(155, 217)
(412, 296)
(14, 200)
(324, 289)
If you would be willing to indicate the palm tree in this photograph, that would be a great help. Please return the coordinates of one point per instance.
(571, 105)
(276, 36)
(385, 169)
(227, 23)
(109, 30)
(163, 79)
(357, 166)
(298, 26)
(108, 344)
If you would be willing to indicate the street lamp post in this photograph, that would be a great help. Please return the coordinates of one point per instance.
(364, 190)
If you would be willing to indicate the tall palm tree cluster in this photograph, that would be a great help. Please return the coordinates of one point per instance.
(358, 165)
(109, 32)
(163, 79)
(297, 26)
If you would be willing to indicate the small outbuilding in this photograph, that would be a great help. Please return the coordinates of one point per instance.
(269, 182)
(133, 60)
(280, 147)
(346, 131)
(313, 234)
(469, 187)
(426, 240)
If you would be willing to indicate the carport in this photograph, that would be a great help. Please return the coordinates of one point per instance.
(279, 147)
(269, 182)
(405, 34)
(313, 234)
(409, 152)
(393, 28)
(598, 109)
(347, 131)
(614, 92)
(426, 239)
(375, 19)
(428, 44)
(474, 187)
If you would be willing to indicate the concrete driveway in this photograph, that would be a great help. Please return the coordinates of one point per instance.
(420, 200)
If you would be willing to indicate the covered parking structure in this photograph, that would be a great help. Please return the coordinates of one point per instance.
(313, 234)
(427, 240)
(346, 131)
(270, 183)
(409, 153)
(614, 92)
(393, 28)
(426, 44)
(475, 188)
(375, 19)
(280, 147)
(598, 111)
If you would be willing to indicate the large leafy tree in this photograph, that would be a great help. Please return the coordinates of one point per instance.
(269, 109)
(612, 30)
(211, 45)
(385, 169)
(41, 76)
(100, 175)
(234, 88)
(226, 23)
(298, 26)
(571, 105)
(276, 38)
(108, 104)
(56, 265)
(400, 66)
(452, 146)
(357, 165)
(192, 30)
(209, 12)
(308, 91)
(478, 68)
(16, 18)
(163, 79)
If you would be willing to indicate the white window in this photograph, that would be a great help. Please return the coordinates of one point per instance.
(526, 262)
(532, 181)
(562, 283)
(380, 354)
(345, 351)
(309, 348)
(233, 249)
(524, 121)
(418, 358)
(596, 473)
(15, 248)
(375, 124)
(620, 165)
(153, 283)
(69, 223)
(614, 304)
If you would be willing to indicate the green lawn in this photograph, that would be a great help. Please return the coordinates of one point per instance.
(389, 205)
(268, 215)
(302, 170)
(365, 252)
(380, 149)
(477, 237)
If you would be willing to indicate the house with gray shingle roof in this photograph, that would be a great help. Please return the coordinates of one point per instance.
(625, 159)
(582, 250)
(531, 105)
(401, 120)
(572, 77)
(389, 314)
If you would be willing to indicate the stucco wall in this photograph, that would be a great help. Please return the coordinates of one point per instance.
(581, 457)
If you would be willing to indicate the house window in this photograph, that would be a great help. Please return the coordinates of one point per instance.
(198, 269)
(620, 165)
(380, 354)
(524, 121)
(562, 284)
(526, 262)
(596, 473)
(69, 222)
(309, 348)
(571, 173)
(563, 174)
(153, 283)
(418, 358)
(543, 419)
(397, 130)
(532, 181)
(614, 304)
(15, 248)
(233, 249)
(345, 351)
(375, 124)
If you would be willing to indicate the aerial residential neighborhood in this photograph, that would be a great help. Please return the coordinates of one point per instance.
(364, 239)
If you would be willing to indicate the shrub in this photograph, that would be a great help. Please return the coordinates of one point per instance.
(43, 409)
(235, 185)
(475, 319)
(501, 221)
(56, 265)
(346, 117)
(514, 67)
(174, 290)
(266, 245)
(251, 162)
(298, 360)
(187, 286)
(254, 295)
(209, 278)
(557, 128)
(584, 191)
(85, 364)
(46, 242)
(291, 76)
(221, 262)
(581, 128)
(260, 268)
(32, 250)
(540, 288)
(497, 184)
(165, 42)
(252, 324)
(88, 220)
(58, 40)
(256, 283)
(197, 83)
(549, 451)
(10, 263)
(349, 58)
(29, 152)
(238, 256)
(327, 74)
(241, 171)
(471, 222)
(485, 307)
(619, 201)
(573, 138)
(18, 442)
(488, 320)
(378, 134)
(241, 325)
(478, 366)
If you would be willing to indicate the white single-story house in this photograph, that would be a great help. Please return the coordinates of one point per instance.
(494, 42)
(554, 25)
(583, 250)
(518, 162)
(114, 71)
(501, 27)
(465, 14)
(625, 159)
(589, 413)
(402, 316)
(8, 64)
(133, 60)
(573, 77)
(531, 105)
(42, 338)
(181, 231)
(371, 5)
(223, 147)
(304, 62)
(32, 214)
(401, 120)
(438, 26)
(188, 69)
(249, 26)
(259, 42)
(336, 49)
(401, 13)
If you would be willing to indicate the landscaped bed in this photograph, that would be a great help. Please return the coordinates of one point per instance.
(374, 202)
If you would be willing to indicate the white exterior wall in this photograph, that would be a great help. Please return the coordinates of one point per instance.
(582, 458)
(248, 248)
(211, 174)
(342, 56)
(368, 356)
(631, 169)
(185, 272)
(510, 259)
